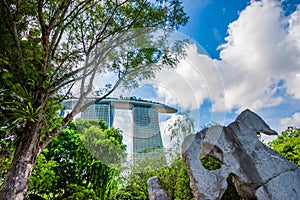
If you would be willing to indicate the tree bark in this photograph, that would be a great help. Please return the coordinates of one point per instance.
(16, 182)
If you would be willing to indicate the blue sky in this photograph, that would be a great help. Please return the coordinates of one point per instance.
(251, 60)
(209, 26)
(209, 21)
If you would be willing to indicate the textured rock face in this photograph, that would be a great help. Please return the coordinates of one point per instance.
(258, 171)
(156, 190)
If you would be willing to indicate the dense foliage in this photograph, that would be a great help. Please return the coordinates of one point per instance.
(174, 179)
(67, 170)
(6, 153)
(288, 144)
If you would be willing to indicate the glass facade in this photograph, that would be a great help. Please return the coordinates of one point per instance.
(146, 132)
(98, 111)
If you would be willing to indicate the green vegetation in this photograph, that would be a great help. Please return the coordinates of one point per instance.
(134, 98)
(67, 170)
(47, 47)
(288, 144)
(6, 152)
(174, 178)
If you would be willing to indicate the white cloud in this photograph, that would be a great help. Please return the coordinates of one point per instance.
(195, 79)
(262, 49)
(290, 121)
(292, 44)
(123, 121)
(165, 132)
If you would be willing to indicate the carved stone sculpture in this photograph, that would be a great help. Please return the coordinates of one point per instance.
(258, 171)
(156, 190)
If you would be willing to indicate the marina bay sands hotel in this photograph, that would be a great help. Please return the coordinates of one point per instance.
(146, 132)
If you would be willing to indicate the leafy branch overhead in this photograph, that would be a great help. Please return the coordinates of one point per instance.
(59, 44)
(53, 50)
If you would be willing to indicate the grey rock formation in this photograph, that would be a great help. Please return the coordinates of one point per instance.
(258, 171)
(156, 190)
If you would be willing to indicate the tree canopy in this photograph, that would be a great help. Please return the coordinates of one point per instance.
(288, 144)
(53, 50)
(66, 169)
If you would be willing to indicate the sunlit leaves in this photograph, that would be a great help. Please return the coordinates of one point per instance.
(288, 144)
(67, 170)
(174, 179)
(105, 145)
(22, 108)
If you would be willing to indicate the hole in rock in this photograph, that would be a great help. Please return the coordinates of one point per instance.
(210, 163)
(230, 193)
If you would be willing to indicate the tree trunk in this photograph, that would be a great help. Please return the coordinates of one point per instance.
(16, 182)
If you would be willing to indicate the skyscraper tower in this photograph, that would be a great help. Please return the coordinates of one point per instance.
(99, 111)
(146, 132)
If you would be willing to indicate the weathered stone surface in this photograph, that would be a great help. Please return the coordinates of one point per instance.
(156, 190)
(258, 171)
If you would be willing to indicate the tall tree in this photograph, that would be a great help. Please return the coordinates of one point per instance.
(48, 48)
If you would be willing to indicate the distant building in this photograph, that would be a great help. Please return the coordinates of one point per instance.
(146, 132)
(99, 111)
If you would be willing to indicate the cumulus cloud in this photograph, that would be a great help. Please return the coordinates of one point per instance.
(174, 130)
(261, 49)
(290, 121)
(259, 66)
(195, 79)
(165, 131)
(261, 52)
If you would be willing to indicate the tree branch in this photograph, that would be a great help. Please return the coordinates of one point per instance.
(46, 29)
(67, 93)
(14, 31)
(59, 32)
(62, 8)
(116, 85)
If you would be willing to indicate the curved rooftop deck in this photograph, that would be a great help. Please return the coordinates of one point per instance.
(127, 104)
